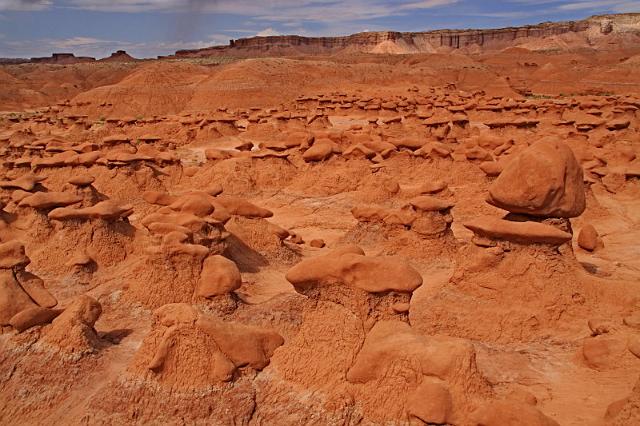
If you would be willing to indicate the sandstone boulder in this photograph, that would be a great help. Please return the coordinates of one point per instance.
(544, 180)
(588, 238)
(219, 276)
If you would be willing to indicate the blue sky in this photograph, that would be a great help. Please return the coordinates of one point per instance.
(147, 28)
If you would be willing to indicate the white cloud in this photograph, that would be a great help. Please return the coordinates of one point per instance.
(582, 5)
(268, 32)
(427, 4)
(627, 6)
(24, 5)
(274, 10)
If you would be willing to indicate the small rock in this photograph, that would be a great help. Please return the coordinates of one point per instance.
(82, 180)
(400, 308)
(588, 238)
(317, 243)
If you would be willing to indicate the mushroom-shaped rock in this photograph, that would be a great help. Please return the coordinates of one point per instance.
(544, 180)
(349, 266)
(106, 210)
(219, 276)
(519, 232)
(48, 200)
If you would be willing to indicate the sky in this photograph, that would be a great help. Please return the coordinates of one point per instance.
(147, 28)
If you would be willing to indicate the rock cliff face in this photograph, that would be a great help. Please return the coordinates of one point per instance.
(415, 42)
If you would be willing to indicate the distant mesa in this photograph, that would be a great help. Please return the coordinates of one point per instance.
(69, 58)
(62, 59)
(416, 42)
(119, 56)
(594, 32)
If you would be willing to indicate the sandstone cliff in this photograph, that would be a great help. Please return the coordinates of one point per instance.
(416, 42)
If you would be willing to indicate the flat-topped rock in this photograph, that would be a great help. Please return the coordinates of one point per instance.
(82, 180)
(520, 232)
(106, 210)
(349, 266)
(26, 183)
(48, 200)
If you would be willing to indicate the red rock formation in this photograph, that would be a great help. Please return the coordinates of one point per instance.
(407, 42)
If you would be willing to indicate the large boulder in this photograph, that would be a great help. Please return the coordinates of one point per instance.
(219, 276)
(544, 180)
